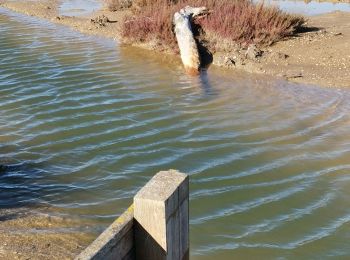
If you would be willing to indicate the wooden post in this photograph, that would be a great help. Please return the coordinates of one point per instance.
(161, 218)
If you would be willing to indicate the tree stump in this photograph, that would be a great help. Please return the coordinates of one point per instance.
(183, 31)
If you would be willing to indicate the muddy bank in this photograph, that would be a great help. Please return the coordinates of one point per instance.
(27, 233)
(320, 55)
(49, 10)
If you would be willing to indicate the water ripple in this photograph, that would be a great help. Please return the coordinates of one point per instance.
(84, 124)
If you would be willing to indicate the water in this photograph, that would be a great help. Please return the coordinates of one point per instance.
(84, 124)
(79, 7)
(309, 7)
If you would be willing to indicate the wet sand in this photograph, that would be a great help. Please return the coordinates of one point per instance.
(319, 56)
(27, 233)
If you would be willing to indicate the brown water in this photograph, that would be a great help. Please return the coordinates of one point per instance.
(84, 124)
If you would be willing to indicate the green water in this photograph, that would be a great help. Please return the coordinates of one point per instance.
(84, 124)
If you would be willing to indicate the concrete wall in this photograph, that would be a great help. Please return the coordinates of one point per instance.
(161, 218)
(156, 227)
(116, 242)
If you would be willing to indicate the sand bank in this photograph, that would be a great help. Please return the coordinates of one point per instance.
(27, 233)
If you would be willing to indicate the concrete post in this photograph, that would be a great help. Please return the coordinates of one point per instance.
(161, 218)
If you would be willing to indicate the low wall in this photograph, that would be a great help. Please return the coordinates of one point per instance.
(116, 242)
(155, 227)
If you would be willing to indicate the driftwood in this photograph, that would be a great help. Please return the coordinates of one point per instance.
(188, 48)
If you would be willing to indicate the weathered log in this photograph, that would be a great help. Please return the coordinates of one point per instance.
(188, 48)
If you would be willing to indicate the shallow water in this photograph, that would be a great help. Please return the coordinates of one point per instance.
(83, 125)
(78, 7)
(309, 8)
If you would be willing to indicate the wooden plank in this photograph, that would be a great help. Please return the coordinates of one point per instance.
(116, 242)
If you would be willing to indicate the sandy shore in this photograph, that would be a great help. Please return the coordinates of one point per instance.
(27, 233)
(319, 56)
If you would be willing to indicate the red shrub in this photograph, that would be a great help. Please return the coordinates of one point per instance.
(230, 21)
(152, 24)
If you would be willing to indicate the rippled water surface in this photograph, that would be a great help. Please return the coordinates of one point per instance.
(84, 124)
(309, 7)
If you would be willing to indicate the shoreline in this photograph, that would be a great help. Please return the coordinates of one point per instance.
(319, 56)
(29, 233)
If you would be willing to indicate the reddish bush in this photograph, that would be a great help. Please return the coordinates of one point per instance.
(230, 21)
(151, 24)
(244, 23)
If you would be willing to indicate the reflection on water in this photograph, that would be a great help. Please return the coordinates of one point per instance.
(17, 186)
(309, 7)
(83, 125)
(79, 7)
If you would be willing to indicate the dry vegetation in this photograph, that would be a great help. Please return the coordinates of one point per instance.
(230, 22)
